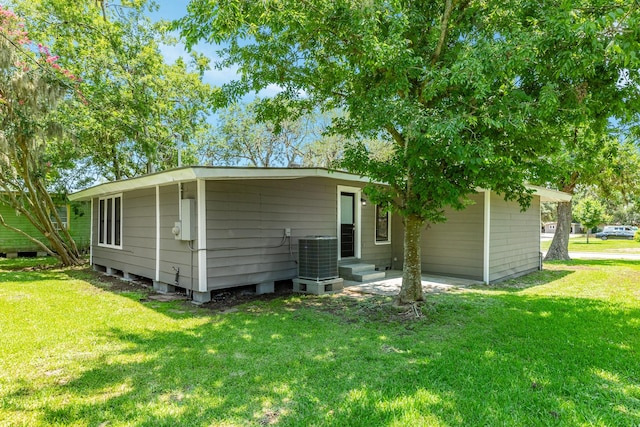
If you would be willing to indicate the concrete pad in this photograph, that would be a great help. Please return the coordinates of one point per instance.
(167, 297)
(391, 284)
(318, 287)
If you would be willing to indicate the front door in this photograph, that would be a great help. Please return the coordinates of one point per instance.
(347, 225)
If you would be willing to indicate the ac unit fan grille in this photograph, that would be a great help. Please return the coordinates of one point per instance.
(318, 257)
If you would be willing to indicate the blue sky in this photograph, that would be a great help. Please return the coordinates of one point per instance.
(174, 9)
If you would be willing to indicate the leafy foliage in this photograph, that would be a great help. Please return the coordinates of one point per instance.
(590, 213)
(135, 108)
(592, 44)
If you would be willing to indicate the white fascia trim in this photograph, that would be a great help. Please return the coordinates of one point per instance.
(487, 237)
(157, 275)
(358, 217)
(202, 234)
(210, 173)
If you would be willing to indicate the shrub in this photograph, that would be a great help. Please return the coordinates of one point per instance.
(636, 236)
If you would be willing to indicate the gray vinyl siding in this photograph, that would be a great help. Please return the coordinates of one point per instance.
(515, 238)
(176, 253)
(455, 247)
(246, 222)
(137, 255)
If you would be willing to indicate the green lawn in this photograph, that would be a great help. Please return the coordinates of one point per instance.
(579, 244)
(559, 347)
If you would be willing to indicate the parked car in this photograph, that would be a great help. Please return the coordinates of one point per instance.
(617, 231)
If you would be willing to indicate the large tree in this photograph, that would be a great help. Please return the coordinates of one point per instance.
(32, 84)
(459, 87)
(594, 160)
(600, 40)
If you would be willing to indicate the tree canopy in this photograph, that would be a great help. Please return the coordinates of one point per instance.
(135, 107)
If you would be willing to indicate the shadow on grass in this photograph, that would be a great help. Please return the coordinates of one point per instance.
(475, 360)
(537, 278)
(38, 276)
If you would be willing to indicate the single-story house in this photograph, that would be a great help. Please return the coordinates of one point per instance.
(550, 227)
(207, 228)
(75, 217)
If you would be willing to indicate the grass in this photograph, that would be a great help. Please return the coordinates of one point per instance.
(555, 348)
(579, 244)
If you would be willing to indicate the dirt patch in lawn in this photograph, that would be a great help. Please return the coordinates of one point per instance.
(225, 299)
(221, 301)
(118, 284)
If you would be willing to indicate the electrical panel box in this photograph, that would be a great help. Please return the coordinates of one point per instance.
(188, 226)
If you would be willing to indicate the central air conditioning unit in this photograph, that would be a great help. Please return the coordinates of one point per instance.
(318, 257)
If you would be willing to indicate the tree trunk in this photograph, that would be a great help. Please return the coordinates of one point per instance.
(411, 290)
(559, 249)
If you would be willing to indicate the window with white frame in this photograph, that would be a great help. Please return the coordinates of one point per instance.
(383, 225)
(110, 222)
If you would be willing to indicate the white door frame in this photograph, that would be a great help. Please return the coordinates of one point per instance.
(357, 195)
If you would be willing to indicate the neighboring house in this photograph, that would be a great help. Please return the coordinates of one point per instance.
(550, 227)
(75, 217)
(208, 228)
(576, 228)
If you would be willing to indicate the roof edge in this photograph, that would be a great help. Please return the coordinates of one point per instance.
(191, 173)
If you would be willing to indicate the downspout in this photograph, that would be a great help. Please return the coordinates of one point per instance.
(487, 237)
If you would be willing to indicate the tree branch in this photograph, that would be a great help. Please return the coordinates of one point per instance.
(444, 27)
(397, 136)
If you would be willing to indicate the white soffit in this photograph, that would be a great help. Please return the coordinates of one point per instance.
(546, 195)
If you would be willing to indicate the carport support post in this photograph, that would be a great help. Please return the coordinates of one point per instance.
(202, 237)
(487, 237)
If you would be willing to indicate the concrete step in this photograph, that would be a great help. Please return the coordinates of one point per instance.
(366, 276)
(356, 268)
(360, 272)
